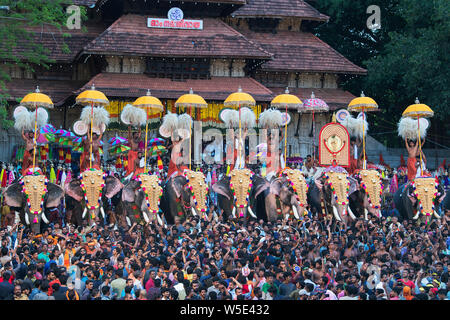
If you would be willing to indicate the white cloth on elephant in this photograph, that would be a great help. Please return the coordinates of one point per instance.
(208, 178)
(418, 173)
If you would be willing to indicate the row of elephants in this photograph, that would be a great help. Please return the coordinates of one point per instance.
(241, 194)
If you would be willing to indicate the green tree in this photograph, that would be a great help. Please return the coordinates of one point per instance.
(20, 47)
(405, 59)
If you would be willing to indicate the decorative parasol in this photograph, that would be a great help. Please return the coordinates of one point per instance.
(156, 142)
(148, 102)
(288, 101)
(48, 128)
(34, 100)
(418, 110)
(314, 105)
(119, 149)
(92, 97)
(157, 150)
(362, 104)
(239, 99)
(191, 100)
(115, 141)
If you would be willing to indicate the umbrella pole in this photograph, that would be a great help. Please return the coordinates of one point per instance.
(364, 142)
(145, 146)
(314, 138)
(35, 133)
(420, 146)
(92, 123)
(190, 140)
(240, 135)
(285, 140)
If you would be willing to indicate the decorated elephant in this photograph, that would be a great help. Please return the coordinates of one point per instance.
(237, 192)
(283, 196)
(91, 193)
(367, 194)
(141, 199)
(185, 195)
(30, 197)
(328, 196)
(418, 200)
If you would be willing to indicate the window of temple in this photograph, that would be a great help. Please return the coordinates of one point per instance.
(178, 69)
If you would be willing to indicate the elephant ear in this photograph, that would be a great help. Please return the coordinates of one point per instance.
(275, 186)
(354, 185)
(112, 186)
(129, 192)
(73, 189)
(54, 195)
(13, 195)
(177, 185)
(259, 185)
(223, 187)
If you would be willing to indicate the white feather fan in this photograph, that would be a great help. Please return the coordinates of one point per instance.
(101, 116)
(169, 124)
(270, 119)
(408, 128)
(23, 119)
(184, 120)
(134, 116)
(355, 126)
(248, 118)
(230, 117)
(42, 117)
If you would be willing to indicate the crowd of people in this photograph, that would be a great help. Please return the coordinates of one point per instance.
(200, 259)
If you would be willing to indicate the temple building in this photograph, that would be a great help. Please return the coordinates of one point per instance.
(130, 46)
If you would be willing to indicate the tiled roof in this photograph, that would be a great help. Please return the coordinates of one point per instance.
(335, 98)
(57, 90)
(301, 51)
(279, 9)
(136, 85)
(129, 35)
(52, 39)
(91, 3)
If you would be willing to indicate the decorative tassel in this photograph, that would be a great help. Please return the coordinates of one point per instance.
(52, 175)
(4, 180)
(10, 177)
(160, 164)
(263, 170)
(68, 157)
(228, 170)
(63, 178)
(69, 177)
(1, 176)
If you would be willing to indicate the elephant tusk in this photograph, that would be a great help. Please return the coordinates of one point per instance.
(233, 213)
(16, 217)
(350, 212)
(159, 219)
(436, 215)
(193, 211)
(251, 212)
(145, 217)
(44, 218)
(417, 215)
(336, 214)
(366, 214)
(102, 211)
(294, 209)
(84, 213)
(27, 220)
(128, 221)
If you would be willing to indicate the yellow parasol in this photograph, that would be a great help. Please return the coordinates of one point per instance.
(362, 104)
(148, 102)
(239, 99)
(33, 100)
(418, 110)
(190, 100)
(290, 101)
(91, 97)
